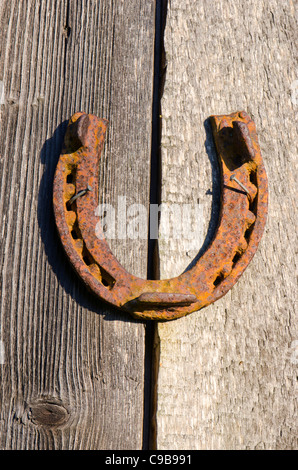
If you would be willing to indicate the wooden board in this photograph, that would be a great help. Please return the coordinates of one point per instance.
(227, 374)
(72, 369)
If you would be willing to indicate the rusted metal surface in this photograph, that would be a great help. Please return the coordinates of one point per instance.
(244, 199)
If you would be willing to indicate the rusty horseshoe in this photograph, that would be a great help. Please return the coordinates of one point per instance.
(244, 200)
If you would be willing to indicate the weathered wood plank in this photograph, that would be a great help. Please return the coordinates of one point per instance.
(72, 370)
(227, 373)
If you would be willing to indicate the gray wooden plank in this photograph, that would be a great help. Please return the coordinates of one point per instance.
(227, 373)
(72, 369)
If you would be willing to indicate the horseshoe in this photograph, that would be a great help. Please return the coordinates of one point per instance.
(244, 200)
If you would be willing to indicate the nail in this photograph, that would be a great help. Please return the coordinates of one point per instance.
(165, 299)
(79, 194)
(233, 178)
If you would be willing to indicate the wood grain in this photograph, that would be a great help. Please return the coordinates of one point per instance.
(227, 374)
(72, 370)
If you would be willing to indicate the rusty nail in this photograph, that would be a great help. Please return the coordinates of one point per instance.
(233, 178)
(79, 194)
(159, 299)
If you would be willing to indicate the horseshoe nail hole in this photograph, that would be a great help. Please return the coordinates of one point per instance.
(253, 180)
(218, 280)
(248, 234)
(109, 284)
(87, 260)
(236, 258)
(253, 206)
(69, 178)
(74, 234)
(253, 177)
(106, 279)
